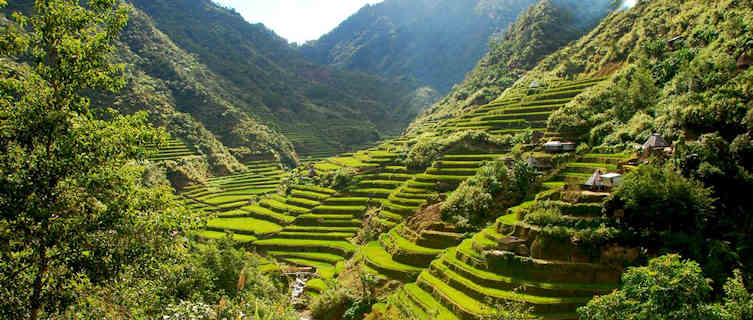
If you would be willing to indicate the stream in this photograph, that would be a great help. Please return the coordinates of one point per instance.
(297, 287)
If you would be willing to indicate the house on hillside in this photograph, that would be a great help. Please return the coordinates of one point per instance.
(656, 145)
(745, 60)
(603, 182)
(540, 164)
(559, 146)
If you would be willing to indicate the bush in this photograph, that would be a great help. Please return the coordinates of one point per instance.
(544, 217)
(655, 200)
(483, 197)
(430, 148)
(672, 289)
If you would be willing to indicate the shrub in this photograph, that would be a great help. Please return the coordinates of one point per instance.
(493, 189)
(544, 217)
(429, 148)
(669, 288)
(656, 200)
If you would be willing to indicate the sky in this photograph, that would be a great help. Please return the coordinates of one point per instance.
(297, 20)
(626, 4)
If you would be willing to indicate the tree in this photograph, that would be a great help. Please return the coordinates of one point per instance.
(657, 200)
(669, 288)
(72, 211)
(494, 188)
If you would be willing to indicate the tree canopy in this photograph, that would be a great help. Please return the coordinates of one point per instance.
(72, 209)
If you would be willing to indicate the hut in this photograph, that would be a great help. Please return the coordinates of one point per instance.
(656, 145)
(553, 146)
(745, 60)
(539, 164)
(611, 180)
(594, 182)
(603, 182)
(655, 141)
(559, 146)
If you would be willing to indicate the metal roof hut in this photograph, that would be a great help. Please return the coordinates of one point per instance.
(595, 181)
(553, 146)
(539, 164)
(655, 141)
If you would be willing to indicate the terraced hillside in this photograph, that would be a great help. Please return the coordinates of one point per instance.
(230, 196)
(514, 260)
(401, 253)
(174, 150)
(518, 109)
(324, 220)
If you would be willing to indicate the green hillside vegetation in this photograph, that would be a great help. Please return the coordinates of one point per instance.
(680, 70)
(433, 41)
(539, 30)
(259, 75)
(583, 170)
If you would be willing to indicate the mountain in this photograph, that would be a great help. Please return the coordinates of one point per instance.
(435, 42)
(235, 90)
(539, 31)
(315, 106)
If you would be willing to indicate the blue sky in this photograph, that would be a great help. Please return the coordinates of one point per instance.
(297, 20)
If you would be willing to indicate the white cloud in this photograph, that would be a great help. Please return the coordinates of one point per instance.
(627, 4)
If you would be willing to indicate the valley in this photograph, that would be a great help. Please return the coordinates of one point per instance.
(432, 159)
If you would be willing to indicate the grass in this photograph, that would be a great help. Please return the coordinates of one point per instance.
(275, 205)
(214, 235)
(316, 189)
(309, 195)
(409, 246)
(503, 294)
(450, 258)
(428, 302)
(380, 183)
(316, 284)
(308, 263)
(258, 227)
(373, 191)
(326, 257)
(456, 297)
(323, 166)
(264, 213)
(378, 256)
(325, 216)
(509, 219)
(340, 209)
(316, 235)
(307, 244)
(321, 229)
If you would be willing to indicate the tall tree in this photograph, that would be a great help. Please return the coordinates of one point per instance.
(72, 209)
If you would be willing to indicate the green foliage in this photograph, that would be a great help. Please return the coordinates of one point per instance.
(346, 302)
(339, 179)
(520, 48)
(248, 87)
(206, 281)
(612, 113)
(484, 197)
(658, 200)
(430, 148)
(668, 288)
(73, 211)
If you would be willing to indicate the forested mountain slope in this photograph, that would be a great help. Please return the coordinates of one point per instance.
(434, 41)
(204, 64)
(540, 30)
(264, 77)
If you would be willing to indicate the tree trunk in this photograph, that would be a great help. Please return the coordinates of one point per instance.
(36, 297)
